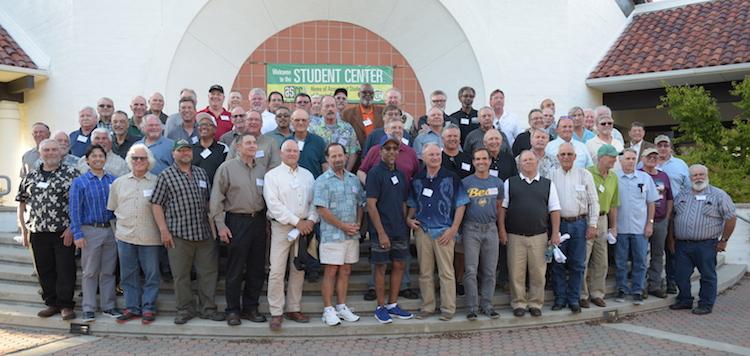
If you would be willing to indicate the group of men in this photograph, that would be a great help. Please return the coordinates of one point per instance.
(484, 201)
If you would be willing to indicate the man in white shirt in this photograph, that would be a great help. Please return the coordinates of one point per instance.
(504, 120)
(565, 134)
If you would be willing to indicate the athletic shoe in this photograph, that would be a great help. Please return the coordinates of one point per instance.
(330, 317)
(382, 316)
(637, 299)
(112, 313)
(471, 316)
(148, 317)
(620, 296)
(126, 316)
(400, 313)
(346, 314)
(88, 316)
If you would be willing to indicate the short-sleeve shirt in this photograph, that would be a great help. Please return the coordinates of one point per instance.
(389, 188)
(679, 177)
(483, 197)
(210, 158)
(460, 164)
(312, 153)
(606, 188)
(162, 151)
(341, 132)
(664, 189)
(185, 202)
(342, 197)
(130, 200)
(46, 196)
(701, 215)
(636, 190)
(467, 122)
(425, 138)
(583, 158)
(435, 200)
(406, 161)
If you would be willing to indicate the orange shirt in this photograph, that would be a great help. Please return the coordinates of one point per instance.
(368, 119)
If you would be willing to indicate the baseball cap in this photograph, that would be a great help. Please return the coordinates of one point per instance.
(391, 139)
(662, 138)
(649, 151)
(216, 87)
(205, 116)
(181, 144)
(607, 150)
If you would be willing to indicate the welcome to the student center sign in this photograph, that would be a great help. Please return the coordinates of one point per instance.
(324, 79)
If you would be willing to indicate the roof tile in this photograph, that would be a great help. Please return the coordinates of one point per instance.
(12, 54)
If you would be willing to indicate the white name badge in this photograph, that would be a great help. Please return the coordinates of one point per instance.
(405, 141)
(465, 166)
(394, 179)
(601, 188)
(42, 185)
(580, 188)
(292, 235)
(367, 122)
(427, 192)
(259, 182)
(700, 197)
(355, 190)
(82, 138)
(202, 184)
(301, 144)
(148, 192)
(493, 172)
(492, 191)
(224, 118)
(260, 154)
(205, 153)
(194, 139)
(465, 121)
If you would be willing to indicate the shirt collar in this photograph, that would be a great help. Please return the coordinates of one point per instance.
(289, 169)
(536, 177)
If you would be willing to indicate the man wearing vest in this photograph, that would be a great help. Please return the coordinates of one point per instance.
(530, 201)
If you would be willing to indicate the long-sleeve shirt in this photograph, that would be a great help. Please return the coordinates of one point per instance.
(88, 201)
(577, 194)
(289, 194)
(237, 188)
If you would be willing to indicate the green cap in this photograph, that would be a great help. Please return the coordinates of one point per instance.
(181, 144)
(607, 150)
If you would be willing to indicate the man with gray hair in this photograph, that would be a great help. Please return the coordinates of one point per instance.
(40, 132)
(114, 164)
(105, 107)
(605, 111)
(160, 146)
(63, 141)
(394, 97)
(475, 138)
(121, 139)
(704, 220)
(81, 138)
(436, 121)
(259, 103)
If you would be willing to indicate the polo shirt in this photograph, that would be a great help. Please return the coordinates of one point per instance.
(460, 164)
(467, 122)
(162, 151)
(583, 158)
(133, 129)
(79, 142)
(378, 136)
(179, 133)
(121, 149)
(679, 176)
(210, 158)
(701, 215)
(312, 153)
(636, 190)
(406, 161)
(223, 121)
(503, 166)
(342, 196)
(425, 138)
(606, 188)
(389, 187)
(435, 200)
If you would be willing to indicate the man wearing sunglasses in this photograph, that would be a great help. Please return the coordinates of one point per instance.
(105, 108)
(604, 125)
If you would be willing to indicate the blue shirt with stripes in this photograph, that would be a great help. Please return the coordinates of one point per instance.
(88, 201)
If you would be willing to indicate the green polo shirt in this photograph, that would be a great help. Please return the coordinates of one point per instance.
(606, 189)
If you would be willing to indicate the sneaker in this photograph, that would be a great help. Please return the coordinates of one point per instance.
(620, 296)
(382, 316)
(112, 313)
(148, 317)
(346, 314)
(491, 313)
(471, 316)
(637, 299)
(88, 316)
(126, 316)
(400, 313)
(370, 295)
(330, 317)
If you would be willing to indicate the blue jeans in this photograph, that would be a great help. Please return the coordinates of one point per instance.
(689, 255)
(567, 277)
(134, 258)
(631, 247)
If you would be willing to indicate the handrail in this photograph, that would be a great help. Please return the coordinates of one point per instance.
(6, 189)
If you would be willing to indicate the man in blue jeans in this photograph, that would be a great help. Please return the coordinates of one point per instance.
(635, 224)
(579, 215)
(702, 214)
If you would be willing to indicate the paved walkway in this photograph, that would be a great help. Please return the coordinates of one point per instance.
(667, 332)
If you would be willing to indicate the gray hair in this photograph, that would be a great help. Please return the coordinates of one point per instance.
(139, 146)
(257, 91)
(450, 126)
(46, 142)
(698, 166)
(602, 110)
(428, 145)
(85, 108)
(143, 124)
(630, 149)
(101, 130)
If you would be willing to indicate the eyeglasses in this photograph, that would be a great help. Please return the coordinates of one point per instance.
(105, 106)
(139, 158)
(606, 123)
(370, 92)
(238, 116)
(564, 154)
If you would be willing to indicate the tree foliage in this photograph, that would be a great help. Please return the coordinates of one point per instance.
(725, 151)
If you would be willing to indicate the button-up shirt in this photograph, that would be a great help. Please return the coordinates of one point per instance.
(267, 155)
(289, 193)
(269, 122)
(342, 196)
(121, 149)
(115, 165)
(27, 161)
(88, 201)
(237, 188)
(577, 194)
(341, 132)
(162, 151)
(679, 177)
(130, 200)
(46, 195)
(595, 143)
(583, 158)
(184, 199)
(508, 124)
(606, 188)
(435, 200)
(424, 138)
(701, 215)
(636, 191)
(587, 135)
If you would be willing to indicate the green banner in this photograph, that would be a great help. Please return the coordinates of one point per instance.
(324, 79)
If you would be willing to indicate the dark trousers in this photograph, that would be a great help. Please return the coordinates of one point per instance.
(56, 268)
(688, 256)
(246, 260)
(568, 276)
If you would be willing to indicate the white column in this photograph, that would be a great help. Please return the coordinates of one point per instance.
(10, 147)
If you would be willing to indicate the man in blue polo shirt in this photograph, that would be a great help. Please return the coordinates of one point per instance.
(386, 189)
(437, 202)
(311, 146)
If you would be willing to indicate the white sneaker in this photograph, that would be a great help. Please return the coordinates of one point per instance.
(346, 314)
(330, 317)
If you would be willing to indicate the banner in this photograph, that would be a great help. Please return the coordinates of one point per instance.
(324, 79)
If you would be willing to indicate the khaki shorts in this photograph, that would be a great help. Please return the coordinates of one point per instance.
(339, 252)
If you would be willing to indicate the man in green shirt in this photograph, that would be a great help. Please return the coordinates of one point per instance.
(605, 182)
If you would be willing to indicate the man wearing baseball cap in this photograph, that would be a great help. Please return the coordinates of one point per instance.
(216, 109)
(663, 212)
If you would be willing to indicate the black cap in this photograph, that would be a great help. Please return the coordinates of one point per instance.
(341, 90)
(216, 87)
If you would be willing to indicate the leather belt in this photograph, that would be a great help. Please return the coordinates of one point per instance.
(602, 213)
(250, 215)
(574, 218)
(106, 224)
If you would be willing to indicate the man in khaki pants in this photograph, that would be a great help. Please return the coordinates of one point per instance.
(530, 202)
(288, 190)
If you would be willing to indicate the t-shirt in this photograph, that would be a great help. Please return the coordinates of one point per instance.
(664, 189)
(483, 197)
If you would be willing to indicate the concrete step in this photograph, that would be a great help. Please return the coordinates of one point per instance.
(25, 315)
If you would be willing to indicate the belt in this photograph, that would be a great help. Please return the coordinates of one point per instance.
(250, 215)
(696, 241)
(602, 213)
(527, 235)
(105, 224)
(574, 218)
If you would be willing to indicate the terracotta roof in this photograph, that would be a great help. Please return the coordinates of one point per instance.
(12, 54)
(699, 35)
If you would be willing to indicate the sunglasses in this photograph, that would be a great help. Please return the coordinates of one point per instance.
(105, 106)
(238, 116)
(564, 154)
(139, 158)
(606, 123)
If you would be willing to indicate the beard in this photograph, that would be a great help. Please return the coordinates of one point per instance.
(700, 186)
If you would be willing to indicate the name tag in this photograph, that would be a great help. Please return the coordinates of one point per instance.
(194, 139)
(301, 144)
(465, 121)
(343, 141)
(394, 179)
(465, 166)
(427, 192)
(700, 197)
(259, 182)
(205, 153)
(42, 185)
(292, 235)
(148, 192)
(224, 118)
(492, 191)
(580, 188)
(260, 154)
(601, 188)
(367, 122)
(355, 190)
(202, 184)
(405, 141)
(493, 172)
(82, 138)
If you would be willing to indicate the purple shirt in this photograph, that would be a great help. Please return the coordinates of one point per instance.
(664, 189)
(406, 161)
